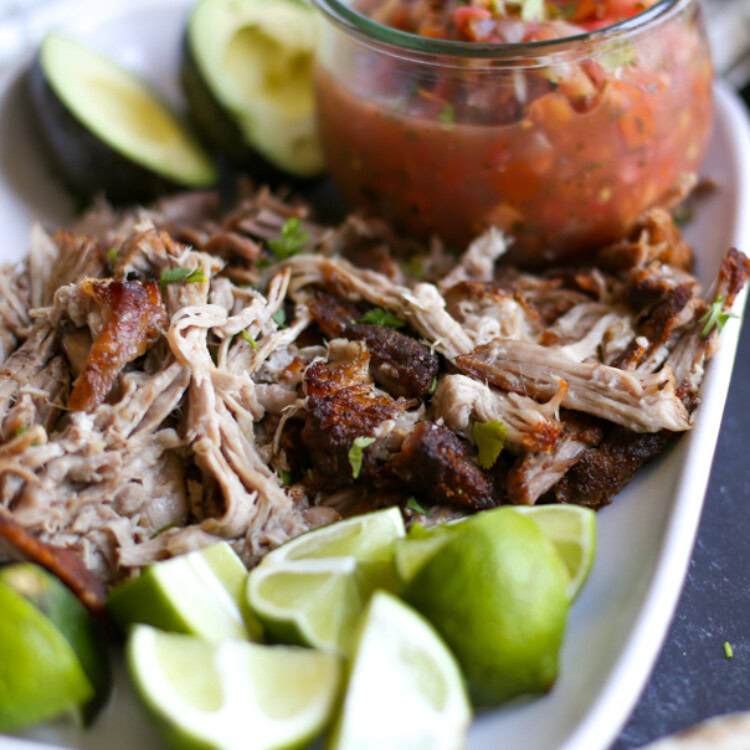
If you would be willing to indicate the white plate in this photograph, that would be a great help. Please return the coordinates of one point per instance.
(645, 538)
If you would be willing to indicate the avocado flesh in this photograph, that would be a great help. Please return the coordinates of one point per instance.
(114, 111)
(255, 58)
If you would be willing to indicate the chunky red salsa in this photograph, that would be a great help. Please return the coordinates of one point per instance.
(563, 152)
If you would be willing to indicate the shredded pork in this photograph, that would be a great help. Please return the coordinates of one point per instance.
(187, 386)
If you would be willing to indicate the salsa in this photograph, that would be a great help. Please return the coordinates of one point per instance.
(563, 155)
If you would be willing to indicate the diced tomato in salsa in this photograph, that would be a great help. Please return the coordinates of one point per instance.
(563, 156)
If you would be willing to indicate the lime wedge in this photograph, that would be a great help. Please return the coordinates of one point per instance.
(57, 603)
(414, 550)
(572, 530)
(40, 675)
(200, 593)
(368, 538)
(312, 590)
(405, 690)
(233, 695)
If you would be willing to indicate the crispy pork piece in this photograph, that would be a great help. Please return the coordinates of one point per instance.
(460, 400)
(17, 543)
(603, 472)
(644, 403)
(536, 472)
(399, 363)
(343, 404)
(675, 309)
(434, 464)
(688, 357)
(423, 307)
(137, 317)
(655, 237)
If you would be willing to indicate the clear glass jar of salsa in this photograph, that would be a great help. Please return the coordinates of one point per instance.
(560, 140)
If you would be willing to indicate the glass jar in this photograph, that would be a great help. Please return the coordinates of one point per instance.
(562, 143)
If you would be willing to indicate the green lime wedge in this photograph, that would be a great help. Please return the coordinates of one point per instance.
(405, 689)
(368, 538)
(572, 530)
(233, 695)
(312, 590)
(40, 675)
(414, 550)
(65, 611)
(200, 593)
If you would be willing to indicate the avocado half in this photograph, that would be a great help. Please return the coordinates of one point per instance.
(107, 130)
(247, 76)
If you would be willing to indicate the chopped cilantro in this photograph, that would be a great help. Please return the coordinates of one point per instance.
(379, 316)
(448, 115)
(715, 317)
(413, 504)
(250, 340)
(413, 267)
(433, 386)
(285, 477)
(490, 440)
(279, 317)
(21, 430)
(184, 275)
(682, 215)
(355, 453)
(112, 256)
(728, 651)
(163, 529)
(293, 239)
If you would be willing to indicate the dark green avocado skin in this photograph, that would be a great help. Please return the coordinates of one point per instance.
(85, 163)
(220, 131)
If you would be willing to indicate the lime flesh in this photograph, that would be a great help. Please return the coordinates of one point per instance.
(234, 695)
(200, 593)
(572, 529)
(405, 690)
(313, 589)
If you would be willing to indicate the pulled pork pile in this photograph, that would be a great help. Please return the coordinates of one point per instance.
(173, 376)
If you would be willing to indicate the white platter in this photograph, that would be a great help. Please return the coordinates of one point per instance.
(616, 627)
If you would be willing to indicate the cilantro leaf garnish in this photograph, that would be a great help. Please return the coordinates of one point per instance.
(279, 317)
(448, 115)
(728, 650)
(379, 316)
(112, 256)
(181, 275)
(250, 340)
(21, 430)
(433, 386)
(715, 317)
(413, 504)
(160, 531)
(490, 440)
(413, 267)
(285, 476)
(355, 453)
(293, 239)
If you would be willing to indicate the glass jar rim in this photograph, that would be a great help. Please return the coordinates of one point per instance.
(359, 24)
